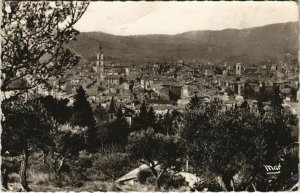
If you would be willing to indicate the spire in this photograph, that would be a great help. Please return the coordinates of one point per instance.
(100, 48)
(112, 106)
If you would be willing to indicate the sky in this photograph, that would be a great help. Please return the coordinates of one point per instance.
(138, 18)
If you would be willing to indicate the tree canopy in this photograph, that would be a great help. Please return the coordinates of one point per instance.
(235, 141)
(156, 149)
(83, 116)
(118, 129)
(33, 35)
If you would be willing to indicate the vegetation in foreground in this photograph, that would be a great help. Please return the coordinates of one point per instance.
(226, 147)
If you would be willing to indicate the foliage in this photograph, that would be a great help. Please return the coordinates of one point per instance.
(276, 99)
(68, 141)
(26, 125)
(118, 130)
(249, 92)
(263, 95)
(151, 118)
(209, 182)
(168, 180)
(169, 123)
(109, 163)
(227, 141)
(143, 175)
(171, 181)
(156, 149)
(100, 113)
(110, 166)
(9, 166)
(33, 35)
(83, 117)
(57, 108)
(195, 102)
(139, 121)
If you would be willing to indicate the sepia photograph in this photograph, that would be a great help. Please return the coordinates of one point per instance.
(149, 96)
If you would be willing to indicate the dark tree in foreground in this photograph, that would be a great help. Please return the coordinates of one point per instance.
(195, 102)
(100, 113)
(140, 121)
(67, 141)
(32, 39)
(151, 118)
(83, 117)
(236, 141)
(169, 124)
(118, 130)
(156, 149)
(26, 126)
(276, 99)
(58, 108)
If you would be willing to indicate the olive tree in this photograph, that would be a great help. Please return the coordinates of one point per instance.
(236, 141)
(156, 150)
(33, 35)
(67, 142)
(26, 127)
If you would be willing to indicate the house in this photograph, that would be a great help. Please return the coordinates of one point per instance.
(127, 112)
(112, 80)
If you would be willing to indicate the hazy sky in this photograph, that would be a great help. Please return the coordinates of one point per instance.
(134, 18)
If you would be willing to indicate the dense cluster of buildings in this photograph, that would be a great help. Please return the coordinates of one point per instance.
(167, 87)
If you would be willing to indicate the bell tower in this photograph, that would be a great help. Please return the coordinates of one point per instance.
(238, 69)
(100, 63)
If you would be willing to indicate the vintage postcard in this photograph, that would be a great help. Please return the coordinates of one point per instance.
(149, 96)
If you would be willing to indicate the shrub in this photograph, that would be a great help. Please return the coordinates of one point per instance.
(143, 175)
(11, 164)
(170, 181)
(14, 178)
(110, 166)
(208, 183)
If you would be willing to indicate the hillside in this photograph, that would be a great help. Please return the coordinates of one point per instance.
(231, 45)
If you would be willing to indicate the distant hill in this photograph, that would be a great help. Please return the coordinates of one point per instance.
(232, 45)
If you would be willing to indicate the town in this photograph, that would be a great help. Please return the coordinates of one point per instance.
(170, 86)
(149, 96)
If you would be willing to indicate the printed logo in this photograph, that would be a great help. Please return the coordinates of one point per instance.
(272, 169)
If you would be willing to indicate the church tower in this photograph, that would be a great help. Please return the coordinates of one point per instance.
(238, 69)
(100, 63)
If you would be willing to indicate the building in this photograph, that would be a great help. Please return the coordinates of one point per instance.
(99, 68)
(238, 69)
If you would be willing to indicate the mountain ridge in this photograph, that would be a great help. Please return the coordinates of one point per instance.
(248, 45)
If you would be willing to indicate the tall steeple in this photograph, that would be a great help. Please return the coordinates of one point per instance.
(100, 63)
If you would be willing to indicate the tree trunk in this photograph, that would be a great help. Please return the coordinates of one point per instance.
(44, 157)
(5, 179)
(221, 183)
(152, 167)
(227, 179)
(158, 184)
(23, 170)
(58, 170)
